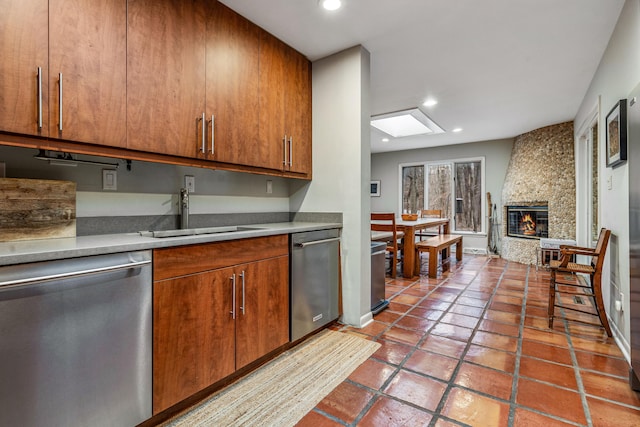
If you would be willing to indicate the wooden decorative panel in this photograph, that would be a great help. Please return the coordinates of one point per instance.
(37, 209)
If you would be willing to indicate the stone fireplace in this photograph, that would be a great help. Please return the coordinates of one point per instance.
(539, 194)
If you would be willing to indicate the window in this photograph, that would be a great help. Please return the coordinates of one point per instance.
(412, 188)
(455, 187)
(439, 189)
(468, 196)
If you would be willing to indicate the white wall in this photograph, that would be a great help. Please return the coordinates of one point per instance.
(617, 75)
(341, 169)
(385, 167)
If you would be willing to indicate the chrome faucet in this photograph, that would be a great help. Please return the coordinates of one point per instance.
(184, 208)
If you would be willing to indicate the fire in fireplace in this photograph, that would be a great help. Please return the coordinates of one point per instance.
(529, 222)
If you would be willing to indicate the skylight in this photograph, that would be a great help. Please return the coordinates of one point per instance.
(405, 123)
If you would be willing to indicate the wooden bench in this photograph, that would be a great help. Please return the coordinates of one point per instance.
(436, 244)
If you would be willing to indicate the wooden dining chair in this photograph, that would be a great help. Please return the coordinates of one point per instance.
(428, 232)
(384, 229)
(568, 278)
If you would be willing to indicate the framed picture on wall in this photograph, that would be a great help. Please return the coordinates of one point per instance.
(617, 134)
(375, 188)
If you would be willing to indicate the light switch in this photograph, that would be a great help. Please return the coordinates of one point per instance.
(609, 182)
(109, 179)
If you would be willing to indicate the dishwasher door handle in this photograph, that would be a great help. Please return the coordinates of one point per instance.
(10, 284)
(316, 242)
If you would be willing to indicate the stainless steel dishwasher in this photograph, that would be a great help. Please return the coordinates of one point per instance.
(378, 287)
(314, 280)
(75, 341)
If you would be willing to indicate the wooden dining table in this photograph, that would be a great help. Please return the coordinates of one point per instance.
(409, 229)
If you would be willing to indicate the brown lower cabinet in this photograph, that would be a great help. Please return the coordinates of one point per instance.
(209, 323)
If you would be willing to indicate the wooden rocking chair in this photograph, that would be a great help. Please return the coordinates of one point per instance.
(566, 274)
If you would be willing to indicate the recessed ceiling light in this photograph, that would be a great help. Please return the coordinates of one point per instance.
(385, 139)
(405, 123)
(331, 4)
(430, 102)
(456, 130)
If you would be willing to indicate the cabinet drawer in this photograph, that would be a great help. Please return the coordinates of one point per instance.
(190, 259)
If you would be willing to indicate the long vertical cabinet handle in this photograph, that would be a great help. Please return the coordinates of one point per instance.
(39, 97)
(284, 151)
(213, 133)
(242, 275)
(290, 152)
(60, 101)
(233, 296)
(203, 123)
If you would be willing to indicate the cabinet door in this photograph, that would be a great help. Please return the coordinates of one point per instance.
(285, 106)
(193, 335)
(233, 45)
(24, 26)
(273, 73)
(263, 325)
(298, 112)
(87, 45)
(166, 76)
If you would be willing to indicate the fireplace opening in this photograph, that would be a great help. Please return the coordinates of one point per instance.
(528, 222)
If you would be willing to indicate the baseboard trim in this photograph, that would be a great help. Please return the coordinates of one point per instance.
(475, 251)
(366, 319)
(624, 346)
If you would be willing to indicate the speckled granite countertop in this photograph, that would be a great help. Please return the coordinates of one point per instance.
(25, 251)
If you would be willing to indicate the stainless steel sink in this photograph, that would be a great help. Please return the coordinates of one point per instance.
(197, 231)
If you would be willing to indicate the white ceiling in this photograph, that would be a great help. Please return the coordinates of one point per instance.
(498, 68)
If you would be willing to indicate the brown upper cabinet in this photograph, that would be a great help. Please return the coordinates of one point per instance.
(186, 82)
(298, 113)
(166, 76)
(226, 90)
(63, 69)
(232, 88)
(285, 106)
(24, 76)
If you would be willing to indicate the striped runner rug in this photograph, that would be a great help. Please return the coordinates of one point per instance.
(284, 390)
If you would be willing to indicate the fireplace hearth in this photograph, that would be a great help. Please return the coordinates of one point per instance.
(528, 222)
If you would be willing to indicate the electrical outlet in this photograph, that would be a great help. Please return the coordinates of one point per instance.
(269, 186)
(190, 183)
(109, 179)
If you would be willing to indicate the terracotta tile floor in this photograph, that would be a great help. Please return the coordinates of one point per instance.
(472, 348)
